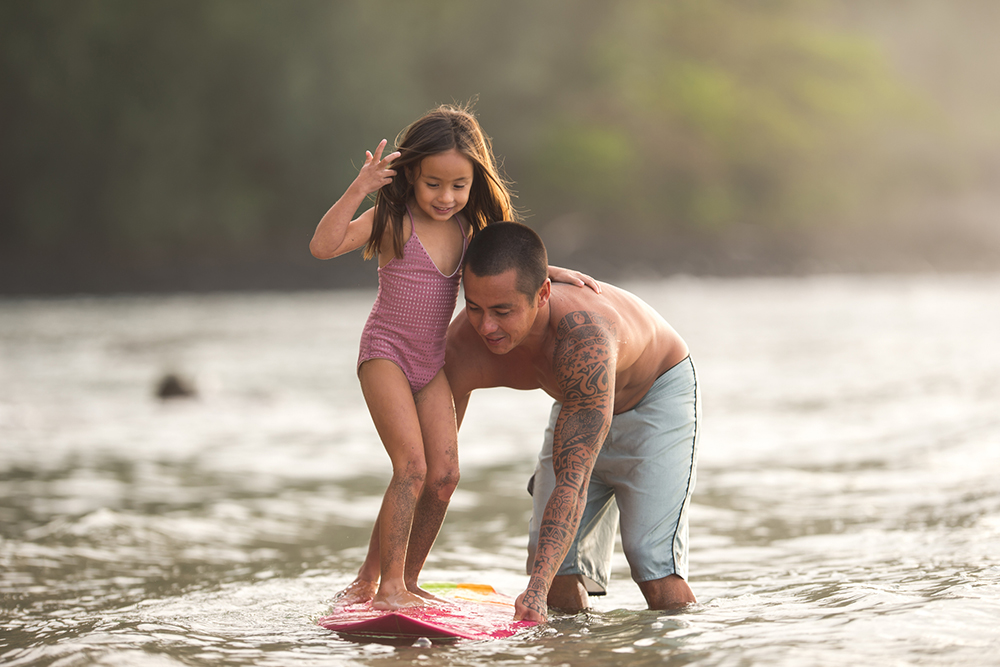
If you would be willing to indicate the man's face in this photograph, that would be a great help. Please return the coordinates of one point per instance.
(501, 314)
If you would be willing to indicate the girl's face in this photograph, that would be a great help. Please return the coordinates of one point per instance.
(441, 184)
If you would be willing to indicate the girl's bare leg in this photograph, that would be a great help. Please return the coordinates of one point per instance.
(394, 413)
(436, 413)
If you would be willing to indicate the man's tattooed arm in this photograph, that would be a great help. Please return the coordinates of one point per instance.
(584, 363)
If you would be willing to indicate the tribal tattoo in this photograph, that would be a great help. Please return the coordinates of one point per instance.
(584, 364)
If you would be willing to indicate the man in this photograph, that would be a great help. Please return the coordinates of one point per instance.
(624, 426)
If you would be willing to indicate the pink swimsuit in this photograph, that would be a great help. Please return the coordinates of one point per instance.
(409, 321)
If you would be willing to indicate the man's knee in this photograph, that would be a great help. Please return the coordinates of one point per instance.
(568, 593)
(670, 592)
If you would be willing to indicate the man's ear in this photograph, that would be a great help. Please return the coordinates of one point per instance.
(544, 293)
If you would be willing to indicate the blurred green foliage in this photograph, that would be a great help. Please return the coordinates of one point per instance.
(203, 126)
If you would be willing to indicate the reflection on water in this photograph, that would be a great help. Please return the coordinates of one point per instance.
(847, 507)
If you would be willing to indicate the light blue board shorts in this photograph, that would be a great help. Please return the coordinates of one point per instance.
(646, 473)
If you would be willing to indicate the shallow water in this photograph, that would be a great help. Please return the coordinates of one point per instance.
(847, 507)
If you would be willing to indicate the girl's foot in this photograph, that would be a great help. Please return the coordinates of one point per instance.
(429, 597)
(358, 592)
(398, 600)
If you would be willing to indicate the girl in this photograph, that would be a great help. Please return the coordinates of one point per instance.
(443, 167)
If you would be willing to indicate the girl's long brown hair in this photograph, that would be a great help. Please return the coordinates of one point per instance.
(441, 130)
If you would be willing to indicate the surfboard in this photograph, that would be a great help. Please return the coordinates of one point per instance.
(475, 611)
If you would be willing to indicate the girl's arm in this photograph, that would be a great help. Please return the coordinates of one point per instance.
(336, 233)
(558, 274)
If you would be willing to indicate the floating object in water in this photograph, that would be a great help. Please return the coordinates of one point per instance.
(172, 385)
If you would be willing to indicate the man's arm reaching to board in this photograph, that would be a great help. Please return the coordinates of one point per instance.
(584, 365)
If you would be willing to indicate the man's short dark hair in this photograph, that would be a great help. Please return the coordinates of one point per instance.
(503, 246)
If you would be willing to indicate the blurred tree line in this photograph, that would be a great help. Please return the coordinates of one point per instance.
(148, 141)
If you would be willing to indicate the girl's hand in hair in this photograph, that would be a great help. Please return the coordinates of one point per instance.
(377, 171)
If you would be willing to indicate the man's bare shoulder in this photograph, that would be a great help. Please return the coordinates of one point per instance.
(463, 342)
(469, 364)
(614, 304)
(584, 329)
(609, 308)
(461, 336)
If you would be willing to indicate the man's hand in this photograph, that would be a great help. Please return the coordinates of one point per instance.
(534, 612)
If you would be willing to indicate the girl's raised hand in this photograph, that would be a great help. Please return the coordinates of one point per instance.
(377, 171)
